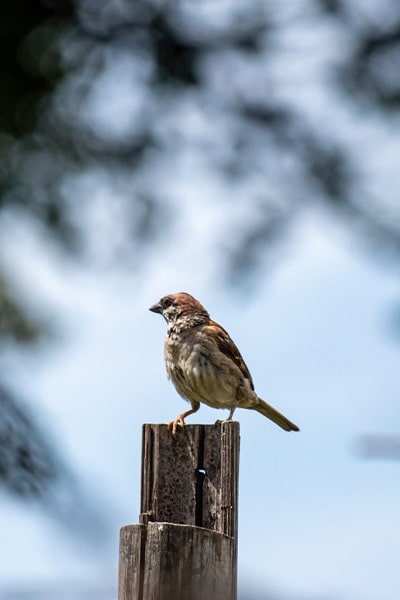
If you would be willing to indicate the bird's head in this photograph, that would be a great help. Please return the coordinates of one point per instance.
(181, 310)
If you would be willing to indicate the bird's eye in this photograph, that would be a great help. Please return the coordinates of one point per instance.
(167, 302)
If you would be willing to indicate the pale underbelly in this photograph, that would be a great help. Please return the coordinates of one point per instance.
(198, 386)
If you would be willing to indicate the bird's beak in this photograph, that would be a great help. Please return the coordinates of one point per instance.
(156, 308)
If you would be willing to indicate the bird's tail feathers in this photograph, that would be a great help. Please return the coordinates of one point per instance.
(271, 413)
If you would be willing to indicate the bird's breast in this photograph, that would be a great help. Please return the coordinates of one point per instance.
(197, 374)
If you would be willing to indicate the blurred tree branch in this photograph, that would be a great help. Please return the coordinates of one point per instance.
(28, 466)
(55, 53)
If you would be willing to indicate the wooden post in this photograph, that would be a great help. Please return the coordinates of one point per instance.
(185, 547)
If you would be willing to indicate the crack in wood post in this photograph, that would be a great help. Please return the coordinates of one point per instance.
(200, 474)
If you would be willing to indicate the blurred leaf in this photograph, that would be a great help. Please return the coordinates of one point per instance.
(370, 71)
(381, 447)
(28, 463)
(31, 469)
(15, 322)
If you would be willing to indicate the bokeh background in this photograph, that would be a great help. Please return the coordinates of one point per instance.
(247, 152)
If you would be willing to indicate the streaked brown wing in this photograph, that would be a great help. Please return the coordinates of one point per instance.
(229, 348)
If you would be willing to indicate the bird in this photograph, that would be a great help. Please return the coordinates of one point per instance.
(204, 363)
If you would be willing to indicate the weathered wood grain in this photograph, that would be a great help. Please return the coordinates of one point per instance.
(185, 547)
(191, 478)
(176, 562)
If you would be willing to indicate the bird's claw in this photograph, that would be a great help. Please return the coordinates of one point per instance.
(174, 424)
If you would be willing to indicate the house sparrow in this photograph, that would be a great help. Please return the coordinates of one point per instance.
(205, 365)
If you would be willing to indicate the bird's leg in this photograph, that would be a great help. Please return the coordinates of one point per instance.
(180, 419)
(231, 413)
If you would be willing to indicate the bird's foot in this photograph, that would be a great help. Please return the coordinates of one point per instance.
(180, 420)
(228, 418)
